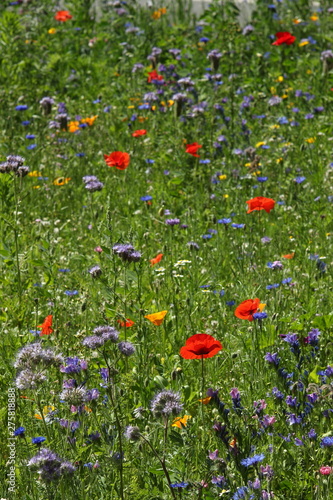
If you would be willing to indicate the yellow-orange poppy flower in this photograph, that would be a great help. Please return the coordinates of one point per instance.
(60, 181)
(181, 422)
(157, 318)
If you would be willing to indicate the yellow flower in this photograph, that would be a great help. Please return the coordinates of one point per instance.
(153, 108)
(36, 187)
(273, 90)
(261, 307)
(279, 160)
(297, 21)
(311, 140)
(141, 119)
(60, 181)
(279, 79)
(130, 107)
(156, 14)
(157, 318)
(247, 164)
(34, 173)
(284, 96)
(52, 31)
(260, 144)
(225, 196)
(46, 411)
(308, 72)
(170, 102)
(181, 422)
(305, 42)
(314, 17)
(222, 177)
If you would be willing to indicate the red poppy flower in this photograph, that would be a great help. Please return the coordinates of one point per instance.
(193, 148)
(260, 203)
(153, 75)
(284, 37)
(200, 346)
(128, 323)
(138, 133)
(62, 16)
(156, 260)
(46, 326)
(118, 159)
(246, 309)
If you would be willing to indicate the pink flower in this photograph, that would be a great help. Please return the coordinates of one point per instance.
(325, 470)
(98, 249)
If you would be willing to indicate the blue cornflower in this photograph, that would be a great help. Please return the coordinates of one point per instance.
(259, 316)
(247, 462)
(206, 236)
(30, 136)
(179, 485)
(21, 107)
(70, 293)
(286, 281)
(204, 162)
(299, 179)
(224, 221)
(212, 231)
(283, 120)
(204, 39)
(38, 440)
(262, 179)
(237, 226)
(240, 493)
(32, 146)
(64, 270)
(80, 155)
(19, 431)
(25, 122)
(270, 287)
(150, 161)
(96, 101)
(146, 198)
(230, 303)
(298, 442)
(326, 442)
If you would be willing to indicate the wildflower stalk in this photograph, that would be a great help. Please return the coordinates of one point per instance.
(162, 462)
(119, 429)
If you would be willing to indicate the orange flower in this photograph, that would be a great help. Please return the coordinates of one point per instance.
(46, 326)
(193, 148)
(205, 401)
(73, 126)
(89, 121)
(181, 422)
(246, 309)
(289, 255)
(138, 133)
(260, 203)
(200, 346)
(157, 318)
(118, 159)
(127, 324)
(62, 16)
(156, 260)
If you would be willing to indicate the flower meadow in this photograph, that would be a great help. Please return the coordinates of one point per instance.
(166, 244)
